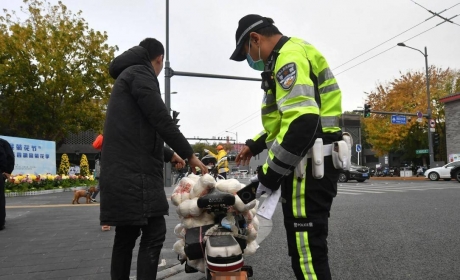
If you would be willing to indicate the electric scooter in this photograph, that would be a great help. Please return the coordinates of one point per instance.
(222, 248)
(212, 163)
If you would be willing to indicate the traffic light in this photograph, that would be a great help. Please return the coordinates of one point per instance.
(367, 110)
(435, 139)
(175, 119)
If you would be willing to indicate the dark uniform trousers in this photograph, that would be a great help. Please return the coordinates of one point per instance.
(2, 201)
(306, 206)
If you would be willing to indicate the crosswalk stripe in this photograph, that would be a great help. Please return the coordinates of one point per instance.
(341, 192)
(360, 189)
(377, 189)
(399, 188)
(364, 191)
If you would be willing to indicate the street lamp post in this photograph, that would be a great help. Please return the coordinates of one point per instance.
(428, 107)
(236, 133)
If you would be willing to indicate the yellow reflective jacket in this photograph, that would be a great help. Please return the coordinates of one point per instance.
(302, 102)
(222, 166)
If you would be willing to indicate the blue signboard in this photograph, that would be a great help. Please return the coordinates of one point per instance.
(396, 119)
(33, 156)
(358, 148)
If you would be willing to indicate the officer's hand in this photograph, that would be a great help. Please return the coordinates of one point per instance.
(177, 161)
(206, 151)
(244, 156)
(193, 161)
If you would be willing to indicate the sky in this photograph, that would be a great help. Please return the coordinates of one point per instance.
(202, 38)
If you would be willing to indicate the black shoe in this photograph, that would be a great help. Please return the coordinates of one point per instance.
(2, 227)
(93, 200)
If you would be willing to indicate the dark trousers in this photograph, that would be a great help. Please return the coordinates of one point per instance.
(93, 196)
(153, 236)
(306, 207)
(2, 201)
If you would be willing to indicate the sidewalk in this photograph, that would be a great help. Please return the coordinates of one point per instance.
(46, 237)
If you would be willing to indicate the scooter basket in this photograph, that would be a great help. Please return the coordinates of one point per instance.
(223, 254)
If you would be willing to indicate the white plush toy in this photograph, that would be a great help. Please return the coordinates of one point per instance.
(203, 186)
(178, 247)
(228, 186)
(251, 248)
(197, 264)
(189, 208)
(204, 219)
(179, 230)
(185, 197)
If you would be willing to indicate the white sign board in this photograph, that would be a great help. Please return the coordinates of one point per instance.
(33, 156)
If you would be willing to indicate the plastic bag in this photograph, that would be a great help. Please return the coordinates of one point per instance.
(182, 191)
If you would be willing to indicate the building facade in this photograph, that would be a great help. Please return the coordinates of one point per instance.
(452, 113)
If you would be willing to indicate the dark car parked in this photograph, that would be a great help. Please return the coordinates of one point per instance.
(356, 172)
(455, 173)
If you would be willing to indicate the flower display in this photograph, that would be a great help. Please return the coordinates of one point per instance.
(33, 182)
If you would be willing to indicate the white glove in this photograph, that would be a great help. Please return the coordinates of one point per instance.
(254, 179)
(206, 150)
(261, 189)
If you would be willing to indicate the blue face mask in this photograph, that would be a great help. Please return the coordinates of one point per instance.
(258, 65)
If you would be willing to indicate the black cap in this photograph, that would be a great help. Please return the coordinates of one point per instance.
(246, 25)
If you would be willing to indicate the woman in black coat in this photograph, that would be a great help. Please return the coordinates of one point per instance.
(131, 182)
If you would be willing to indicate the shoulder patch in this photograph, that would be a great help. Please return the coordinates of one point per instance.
(287, 75)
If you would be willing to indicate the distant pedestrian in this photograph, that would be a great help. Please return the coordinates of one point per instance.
(132, 187)
(97, 144)
(6, 168)
(419, 171)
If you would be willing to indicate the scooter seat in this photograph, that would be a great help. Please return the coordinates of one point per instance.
(216, 198)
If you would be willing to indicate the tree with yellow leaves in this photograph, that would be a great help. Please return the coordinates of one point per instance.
(54, 78)
(407, 94)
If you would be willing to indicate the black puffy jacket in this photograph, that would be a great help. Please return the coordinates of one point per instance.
(137, 122)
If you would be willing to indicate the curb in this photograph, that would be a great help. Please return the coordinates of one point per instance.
(32, 193)
(173, 270)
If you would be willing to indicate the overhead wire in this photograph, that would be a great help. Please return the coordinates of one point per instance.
(241, 122)
(354, 58)
(384, 51)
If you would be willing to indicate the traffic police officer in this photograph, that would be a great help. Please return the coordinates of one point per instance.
(222, 165)
(302, 102)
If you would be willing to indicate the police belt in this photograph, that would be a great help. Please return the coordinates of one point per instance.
(317, 154)
(327, 151)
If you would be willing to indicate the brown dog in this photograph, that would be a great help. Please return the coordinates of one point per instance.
(83, 193)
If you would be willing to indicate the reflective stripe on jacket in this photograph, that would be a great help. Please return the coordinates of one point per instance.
(292, 116)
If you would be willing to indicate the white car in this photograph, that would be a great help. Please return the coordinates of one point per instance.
(442, 172)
